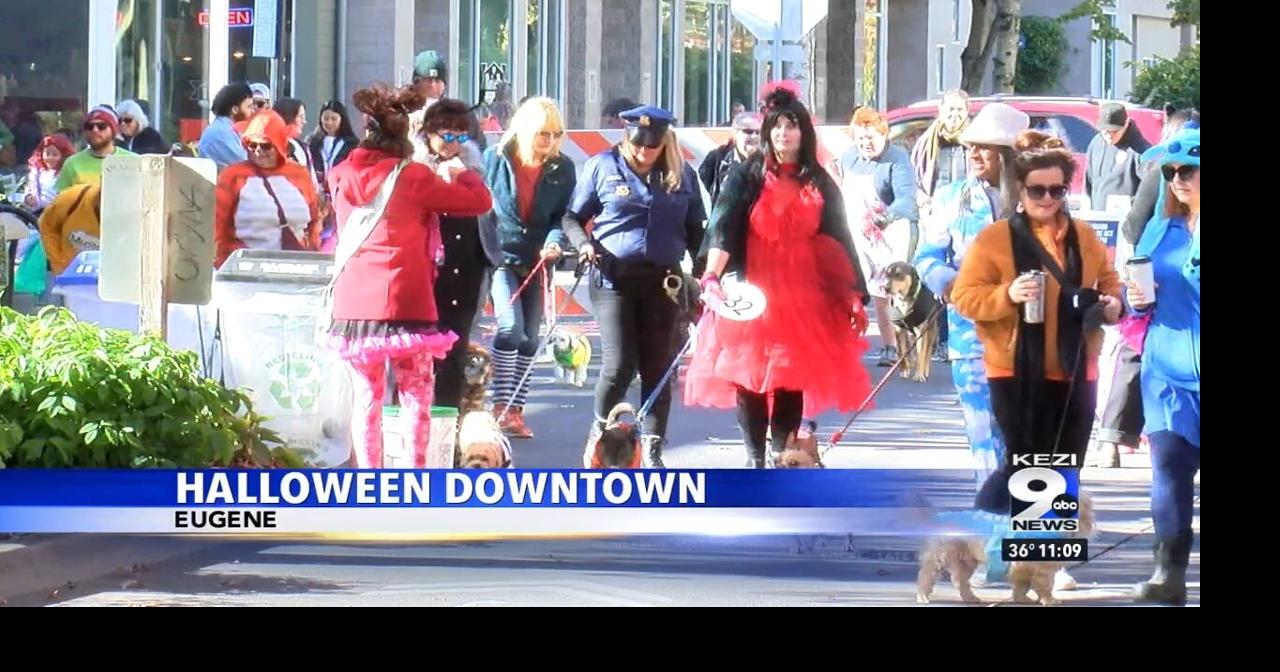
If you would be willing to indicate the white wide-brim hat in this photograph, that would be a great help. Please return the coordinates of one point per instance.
(995, 124)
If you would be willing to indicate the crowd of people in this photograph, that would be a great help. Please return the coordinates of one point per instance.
(426, 224)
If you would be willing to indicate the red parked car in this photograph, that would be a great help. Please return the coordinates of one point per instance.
(1072, 119)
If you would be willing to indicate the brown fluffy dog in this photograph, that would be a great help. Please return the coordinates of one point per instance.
(802, 450)
(617, 446)
(477, 373)
(961, 556)
(481, 443)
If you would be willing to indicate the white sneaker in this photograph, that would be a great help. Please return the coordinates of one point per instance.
(1063, 581)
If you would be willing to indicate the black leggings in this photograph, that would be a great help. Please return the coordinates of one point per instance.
(637, 324)
(754, 419)
(1007, 406)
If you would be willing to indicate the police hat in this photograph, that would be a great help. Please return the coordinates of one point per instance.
(647, 125)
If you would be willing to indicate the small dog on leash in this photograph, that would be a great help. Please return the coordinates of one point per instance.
(911, 308)
(572, 352)
(961, 556)
(477, 374)
(618, 445)
(481, 443)
(802, 449)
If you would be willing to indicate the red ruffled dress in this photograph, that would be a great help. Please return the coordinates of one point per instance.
(805, 340)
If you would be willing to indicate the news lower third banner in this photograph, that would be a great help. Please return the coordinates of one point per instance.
(508, 502)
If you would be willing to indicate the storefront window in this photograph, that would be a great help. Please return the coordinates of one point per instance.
(542, 64)
(666, 52)
(184, 98)
(258, 44)
(135, 50)
(464, 88)
(495, 57)
(742, 63)
(697, 65)
(43, 73)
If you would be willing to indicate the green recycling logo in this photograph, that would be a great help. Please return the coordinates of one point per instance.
(295, 381)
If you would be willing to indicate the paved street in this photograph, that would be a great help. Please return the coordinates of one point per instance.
(913, 426)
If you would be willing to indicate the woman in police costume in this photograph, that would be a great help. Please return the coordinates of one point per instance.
(648, 213)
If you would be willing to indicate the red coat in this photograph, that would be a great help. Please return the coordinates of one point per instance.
(392, 275)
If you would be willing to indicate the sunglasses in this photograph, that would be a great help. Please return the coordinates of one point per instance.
(1184, 173)
(1038, 191)
(749, 131)
(259, 146)
(261, 104)
(550, 135)
(455, 137)
(126, 120)
(96, 126)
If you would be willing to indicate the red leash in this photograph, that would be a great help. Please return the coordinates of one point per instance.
(532, 274)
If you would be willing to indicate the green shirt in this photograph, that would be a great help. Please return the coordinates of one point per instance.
(83, 167)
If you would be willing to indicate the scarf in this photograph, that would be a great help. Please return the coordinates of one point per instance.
(924, 156)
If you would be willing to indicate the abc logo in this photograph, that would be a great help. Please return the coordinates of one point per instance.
(1065, 506)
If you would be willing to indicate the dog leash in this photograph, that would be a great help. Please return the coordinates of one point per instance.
(666, 377)
(579, 273)
(835, 438)
(541, 266)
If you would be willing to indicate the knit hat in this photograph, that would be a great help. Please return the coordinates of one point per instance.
(106, 115)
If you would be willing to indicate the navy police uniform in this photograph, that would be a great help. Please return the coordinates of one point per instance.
(641, 233)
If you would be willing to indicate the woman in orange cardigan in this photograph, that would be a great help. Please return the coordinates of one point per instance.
(267, 202)
(1043, 375)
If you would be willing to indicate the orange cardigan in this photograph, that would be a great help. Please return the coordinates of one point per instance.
(981, 293)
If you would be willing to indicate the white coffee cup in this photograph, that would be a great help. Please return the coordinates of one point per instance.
(1141, 273)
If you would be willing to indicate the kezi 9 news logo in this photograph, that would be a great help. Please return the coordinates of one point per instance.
(1044, 493)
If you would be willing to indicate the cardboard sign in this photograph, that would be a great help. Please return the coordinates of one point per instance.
(165, 204)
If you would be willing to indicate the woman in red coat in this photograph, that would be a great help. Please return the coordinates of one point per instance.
(384, 300)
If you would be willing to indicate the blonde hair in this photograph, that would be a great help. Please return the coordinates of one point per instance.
(533, 117)
(671, 162)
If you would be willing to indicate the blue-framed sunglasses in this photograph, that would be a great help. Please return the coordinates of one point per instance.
(459, 138)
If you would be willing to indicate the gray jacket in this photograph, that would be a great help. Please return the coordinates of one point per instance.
(1114, 170)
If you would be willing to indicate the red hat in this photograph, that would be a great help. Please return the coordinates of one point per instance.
(105, 115)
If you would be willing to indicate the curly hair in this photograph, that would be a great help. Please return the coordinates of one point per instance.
(447, 114)
(1039, 151)
(868, 117)
(387, 109)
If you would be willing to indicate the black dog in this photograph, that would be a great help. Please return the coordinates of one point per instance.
(915, 312)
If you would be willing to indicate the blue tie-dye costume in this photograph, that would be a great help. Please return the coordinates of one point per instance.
(960, 210)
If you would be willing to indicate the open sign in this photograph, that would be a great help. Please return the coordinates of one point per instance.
(239, 17)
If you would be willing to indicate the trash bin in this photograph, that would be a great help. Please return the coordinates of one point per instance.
(190, 327)
(266, 303)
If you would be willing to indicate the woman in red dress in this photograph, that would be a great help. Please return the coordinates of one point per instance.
(780, 225)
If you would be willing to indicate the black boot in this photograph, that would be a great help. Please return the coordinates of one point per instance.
(653, 448)
(1168, 585)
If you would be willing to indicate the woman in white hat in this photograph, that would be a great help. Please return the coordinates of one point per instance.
(958, 212)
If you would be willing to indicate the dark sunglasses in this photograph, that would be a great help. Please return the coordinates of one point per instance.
(261, 104)
(1184, 173)
(97, 126)
(749, 131)
(126, 120)
(644, 145)
(259, 146)
(1038, 191)
(455, 137)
